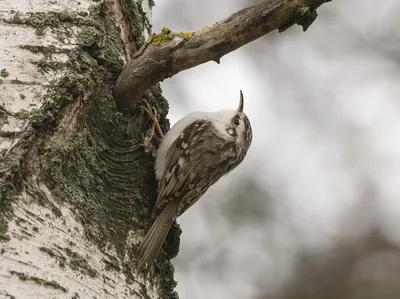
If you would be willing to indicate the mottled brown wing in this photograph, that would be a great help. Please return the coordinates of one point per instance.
(194, 160)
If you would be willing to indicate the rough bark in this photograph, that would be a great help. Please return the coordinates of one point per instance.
(76, 179)
(76, 176)
(167, 54)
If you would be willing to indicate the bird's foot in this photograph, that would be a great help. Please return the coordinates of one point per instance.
(152, 112)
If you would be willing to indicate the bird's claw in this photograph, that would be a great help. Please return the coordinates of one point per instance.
(152, 112)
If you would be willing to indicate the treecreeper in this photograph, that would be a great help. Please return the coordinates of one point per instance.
(193, 155)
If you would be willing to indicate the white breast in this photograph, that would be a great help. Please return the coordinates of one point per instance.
(219, 119)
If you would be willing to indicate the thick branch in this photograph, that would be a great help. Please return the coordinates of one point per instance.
(154, 63)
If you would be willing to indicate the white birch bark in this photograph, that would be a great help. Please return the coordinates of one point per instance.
(44, 250)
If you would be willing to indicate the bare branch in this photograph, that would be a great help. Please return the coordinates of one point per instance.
(167, 54)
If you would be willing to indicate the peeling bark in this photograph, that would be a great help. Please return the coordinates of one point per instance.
(167, 54)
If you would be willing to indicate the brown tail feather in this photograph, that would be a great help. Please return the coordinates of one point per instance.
(154, 239)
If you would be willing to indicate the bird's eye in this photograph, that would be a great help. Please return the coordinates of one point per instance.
(236, 122)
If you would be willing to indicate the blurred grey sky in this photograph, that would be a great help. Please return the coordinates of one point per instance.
(314, 210)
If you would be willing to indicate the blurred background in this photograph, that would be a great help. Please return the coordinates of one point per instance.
(314, 209)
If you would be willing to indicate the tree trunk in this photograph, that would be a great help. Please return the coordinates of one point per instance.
(76, 175)
(76, 178)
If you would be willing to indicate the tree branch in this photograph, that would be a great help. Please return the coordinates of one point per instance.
(167, 54)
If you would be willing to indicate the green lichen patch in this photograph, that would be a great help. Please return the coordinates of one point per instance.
(43, 20)
(4, 73)
(52, 284)
(47, 51)
(165, 36)
(47, 65)
(4, 114)
(17, 81)
(3, 230)
(54, 253)
(92, 171)
(78, 262)
(137, 20)
(186, 35)
(89, 35)
(105, 46)
(100, 169)
(160, 39)
(22, 114)
(82, 74)
(79, 75)
(105, 174)
(100, 47)
(48, 251)
(8, 190)
(111, 262)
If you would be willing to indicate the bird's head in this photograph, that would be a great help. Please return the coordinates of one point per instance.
(238, 125)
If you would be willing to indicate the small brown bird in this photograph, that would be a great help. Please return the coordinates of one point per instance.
(198, 150)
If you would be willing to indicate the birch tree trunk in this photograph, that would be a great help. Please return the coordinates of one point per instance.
(76, 176)
(76, 179)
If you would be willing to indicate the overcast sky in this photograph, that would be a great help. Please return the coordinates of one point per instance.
(317, 197)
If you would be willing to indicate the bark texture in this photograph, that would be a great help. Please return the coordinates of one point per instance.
(167, 54)
(76, 178)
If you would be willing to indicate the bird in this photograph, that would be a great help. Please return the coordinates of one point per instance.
(193, 155)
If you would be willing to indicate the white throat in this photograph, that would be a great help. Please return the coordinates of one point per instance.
(219, 119)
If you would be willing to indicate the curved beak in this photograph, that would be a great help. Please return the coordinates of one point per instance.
(241, 102)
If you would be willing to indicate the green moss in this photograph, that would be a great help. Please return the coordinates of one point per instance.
(160, 39)
(4, 73)
(53, 284)
(186, 34)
